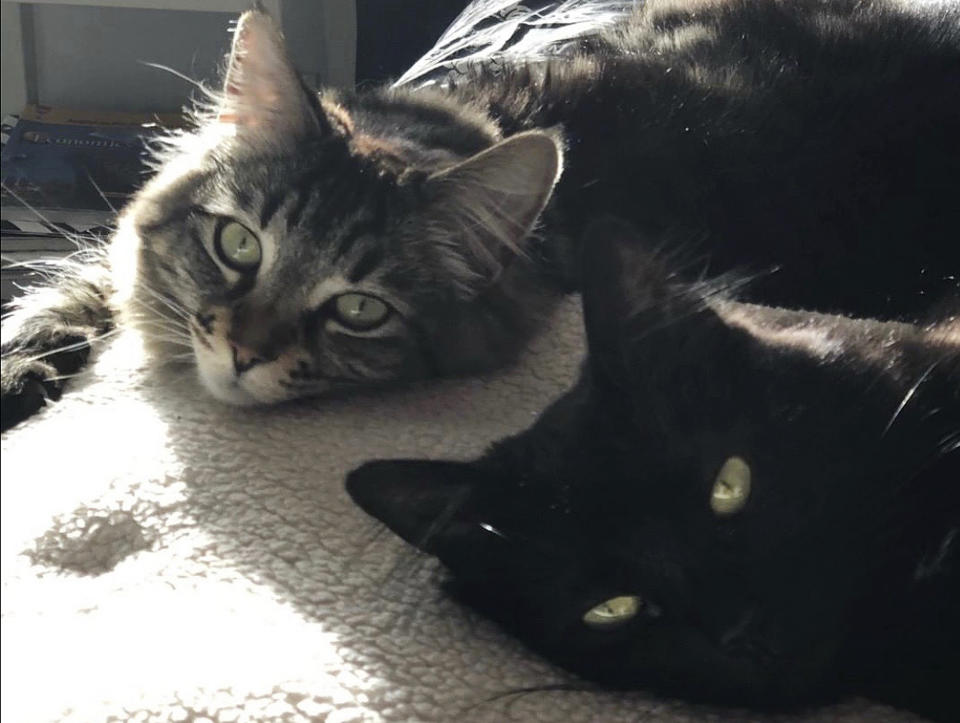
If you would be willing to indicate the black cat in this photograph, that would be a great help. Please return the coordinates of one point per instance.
(736, 504)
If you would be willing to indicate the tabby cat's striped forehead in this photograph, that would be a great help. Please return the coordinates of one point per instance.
(324, 211)
(323, 172)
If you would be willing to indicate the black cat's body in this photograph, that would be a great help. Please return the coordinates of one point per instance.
(814, 137)
(841, 573)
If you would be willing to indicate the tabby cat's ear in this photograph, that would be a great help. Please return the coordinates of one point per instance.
(263, 95)
(416, 499)
(483, 208)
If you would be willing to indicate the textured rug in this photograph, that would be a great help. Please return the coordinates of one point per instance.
(168, 558)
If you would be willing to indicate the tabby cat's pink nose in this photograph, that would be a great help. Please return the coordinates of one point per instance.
(244, 358)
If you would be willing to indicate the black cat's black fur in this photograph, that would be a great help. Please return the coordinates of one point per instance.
(840, 575)
(815, 137)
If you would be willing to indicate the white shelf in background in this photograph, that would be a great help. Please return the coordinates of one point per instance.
(210, 6)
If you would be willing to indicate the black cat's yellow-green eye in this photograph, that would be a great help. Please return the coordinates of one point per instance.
(613, 612)
(360, 312)
(731, 489)
(238, 247)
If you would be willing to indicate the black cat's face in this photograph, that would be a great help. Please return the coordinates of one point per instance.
(698, 514)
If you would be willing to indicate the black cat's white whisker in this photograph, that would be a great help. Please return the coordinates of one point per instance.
(950, 443)
(512, 696)
(377, 534)
(908, 396)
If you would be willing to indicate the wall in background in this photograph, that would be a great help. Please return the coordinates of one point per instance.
(91, 54)
(12, 90)
(93, 57)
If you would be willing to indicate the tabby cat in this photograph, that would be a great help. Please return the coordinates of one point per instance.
(296, 243)
(736, 503)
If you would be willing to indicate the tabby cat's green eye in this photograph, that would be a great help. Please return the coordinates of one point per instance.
(238, 247)
(360, 312)
(731, 489)
(613, 612)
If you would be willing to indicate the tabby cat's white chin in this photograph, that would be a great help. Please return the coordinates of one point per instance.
(227, 391)
(244, 391)
(218, 376)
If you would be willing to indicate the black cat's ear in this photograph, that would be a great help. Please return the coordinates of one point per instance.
(416, 499)
(637, 311)
(621, 279)
(483, 208)
(263, 96)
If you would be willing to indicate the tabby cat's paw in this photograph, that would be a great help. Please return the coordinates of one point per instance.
(29, 379)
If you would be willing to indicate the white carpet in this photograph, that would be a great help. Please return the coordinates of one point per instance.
(168, 558)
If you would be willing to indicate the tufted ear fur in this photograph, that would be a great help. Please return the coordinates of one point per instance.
(263, 95)
(482, 209)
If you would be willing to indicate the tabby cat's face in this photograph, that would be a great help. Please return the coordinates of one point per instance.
(706, 511)
(294, 281)
(298, 245)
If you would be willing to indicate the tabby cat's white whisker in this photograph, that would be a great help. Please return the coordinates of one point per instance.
(74, 238)
(167, 302)
(161, 320)
(96, 186)
(159, 332)
(161, 335)
(75, 346)
(176, 73)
